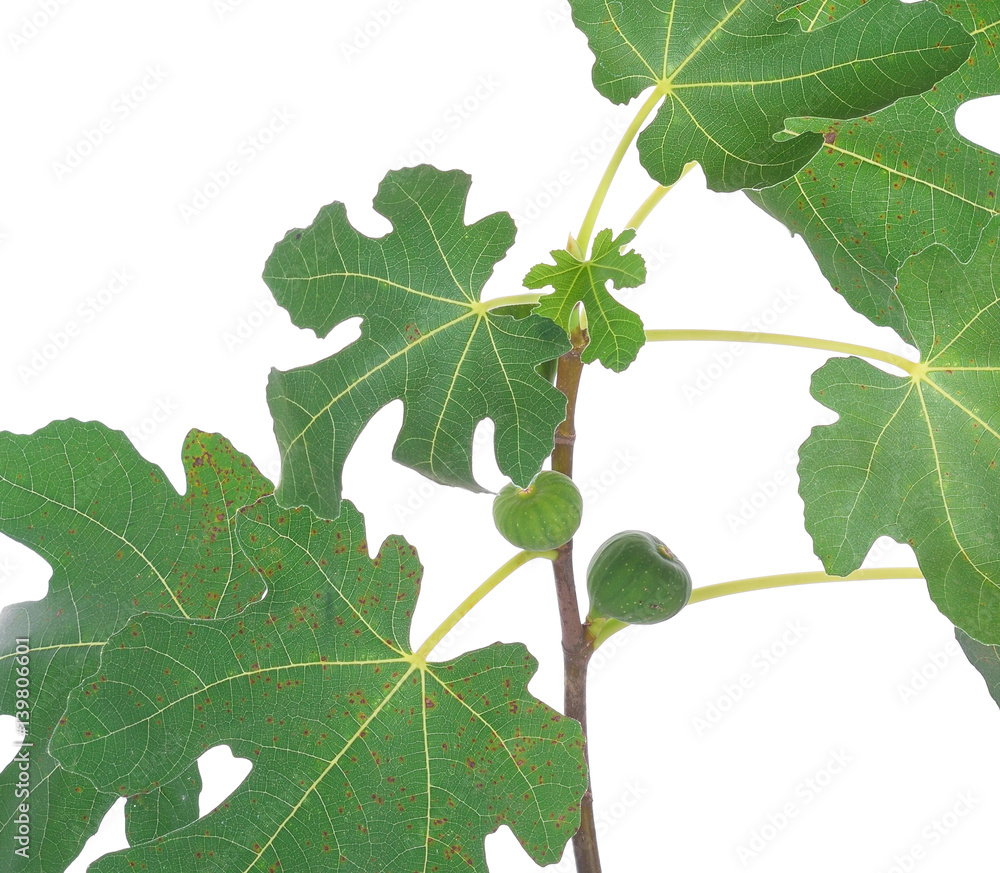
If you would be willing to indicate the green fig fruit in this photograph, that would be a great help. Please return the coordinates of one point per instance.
(633, 577)
(542, 516)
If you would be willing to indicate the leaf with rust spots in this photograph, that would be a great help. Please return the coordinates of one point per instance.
(728, 74)
(893, 183)
(120, 541)
(364, 747)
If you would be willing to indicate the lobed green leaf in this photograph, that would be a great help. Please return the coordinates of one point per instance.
(120, 541)
(986, 659)
(915, 458)
(730, 74)
(616, 332)
(365, 757)
(426, 339)
(886, 186)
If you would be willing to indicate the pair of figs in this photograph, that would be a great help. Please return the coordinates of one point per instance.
(633, 577)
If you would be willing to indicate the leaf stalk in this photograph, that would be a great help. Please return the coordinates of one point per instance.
(760, 583)
(590, 219)
(511, 300)
(911, 368)
(466, 606)
(653, 200)
(602, 629)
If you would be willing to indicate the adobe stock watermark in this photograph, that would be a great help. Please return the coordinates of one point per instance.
(246, 152)
(924, 674)
(225, 8)
(65, 335)
(762, 662)
(370, 29)
(608, 650)
(416, 499)
(96, 134)
(421, 496)
(607, 818)
(162, 410)
(725, 359)
(579, 160)
(453, 118)
(559, 14)
(933, 834)
(22, 760)
(805, 792)
(32, 25)
(656, 256)
(271, 468)
(594, 487)
(249, 324)
(765, 490)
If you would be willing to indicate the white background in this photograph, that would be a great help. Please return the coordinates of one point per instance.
(190, 340)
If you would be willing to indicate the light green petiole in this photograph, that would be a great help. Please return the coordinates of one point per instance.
(653, 200)
(603, 628)
(511, 300)
(466, 606)
(590, 219)
(760, 583)
(777, 339)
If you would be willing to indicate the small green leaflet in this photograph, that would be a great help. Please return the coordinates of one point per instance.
(888, 185)
(120, 541)
(986, 659)
(426, 338)
(730, 74)
(916, 458)
(616, 333)
(365, 757)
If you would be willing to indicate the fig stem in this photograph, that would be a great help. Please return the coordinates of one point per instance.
(760, 583)
(601, 629)
(466, 606)
(576, 646)
(778, 339)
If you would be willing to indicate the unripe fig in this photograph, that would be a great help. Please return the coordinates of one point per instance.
(542, 516)
(633, 577)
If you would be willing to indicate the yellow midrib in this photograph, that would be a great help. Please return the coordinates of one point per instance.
(941, 488)
(984, 28)
(333, 763)
(908, 176)
(701, 45)
(107, 530)
(676, 86)
(34, 649)
(159, 710)
(424, 671)
(405, 350)
(920, 379)
(451, 389)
